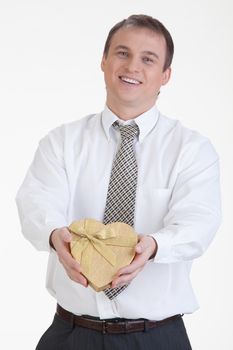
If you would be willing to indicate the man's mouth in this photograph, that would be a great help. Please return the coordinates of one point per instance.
(130, 80)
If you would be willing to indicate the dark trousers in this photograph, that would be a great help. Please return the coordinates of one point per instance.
(61, 335)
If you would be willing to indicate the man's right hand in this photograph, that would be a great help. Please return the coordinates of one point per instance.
(61, 238)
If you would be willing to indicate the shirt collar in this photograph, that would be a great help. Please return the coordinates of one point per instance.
(146, 121)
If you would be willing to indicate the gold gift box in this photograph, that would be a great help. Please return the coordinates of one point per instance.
(102, 249)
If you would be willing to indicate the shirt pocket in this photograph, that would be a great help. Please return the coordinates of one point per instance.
(152, 205)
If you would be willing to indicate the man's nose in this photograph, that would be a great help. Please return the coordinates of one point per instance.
(133, 64)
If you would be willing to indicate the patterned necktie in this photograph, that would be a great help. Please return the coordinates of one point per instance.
(120, 203)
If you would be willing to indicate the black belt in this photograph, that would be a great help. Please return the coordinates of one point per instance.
(112, 325)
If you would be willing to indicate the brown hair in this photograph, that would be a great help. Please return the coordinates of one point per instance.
(144, 21)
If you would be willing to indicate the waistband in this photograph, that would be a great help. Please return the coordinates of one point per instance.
(114, 326)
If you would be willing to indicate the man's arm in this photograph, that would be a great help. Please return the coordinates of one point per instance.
(193, 217)
(194, 214)
(43, 200)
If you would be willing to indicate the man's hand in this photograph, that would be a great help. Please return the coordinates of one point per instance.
(145, 249)
(60, 238)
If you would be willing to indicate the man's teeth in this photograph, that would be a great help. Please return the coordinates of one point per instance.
(131, 81)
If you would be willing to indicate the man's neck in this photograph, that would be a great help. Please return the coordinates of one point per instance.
(126, 112)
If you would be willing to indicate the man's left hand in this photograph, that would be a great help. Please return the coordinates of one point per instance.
(145, 249)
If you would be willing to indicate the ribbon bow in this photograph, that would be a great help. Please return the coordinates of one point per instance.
(84, 236)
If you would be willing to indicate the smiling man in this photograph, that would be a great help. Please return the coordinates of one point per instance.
(131, 164)
(134, 68)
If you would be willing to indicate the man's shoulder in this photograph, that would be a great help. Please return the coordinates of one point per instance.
(189, 141)
(75, 126)
(68, 133)
(178, 129)
(80, 123)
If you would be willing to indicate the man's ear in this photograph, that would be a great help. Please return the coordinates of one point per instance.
(103, 63)
(166, 76)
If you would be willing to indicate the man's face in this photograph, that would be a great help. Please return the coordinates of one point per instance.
(133, 68)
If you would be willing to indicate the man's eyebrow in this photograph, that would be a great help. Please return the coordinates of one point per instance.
(121, 47)
(151, 53)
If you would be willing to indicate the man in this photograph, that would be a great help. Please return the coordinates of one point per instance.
(175, 206)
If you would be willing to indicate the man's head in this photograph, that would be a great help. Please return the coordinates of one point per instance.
(144, 21)
(136, 63)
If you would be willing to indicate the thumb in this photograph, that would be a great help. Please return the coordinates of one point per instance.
(66, 236)
(139, 247)
(143, 244)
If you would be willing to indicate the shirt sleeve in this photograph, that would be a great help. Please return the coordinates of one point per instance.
(194, 212)
(42, 199)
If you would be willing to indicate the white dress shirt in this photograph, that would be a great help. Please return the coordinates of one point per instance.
(177, 202)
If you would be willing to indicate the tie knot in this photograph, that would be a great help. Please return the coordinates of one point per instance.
(129, 131)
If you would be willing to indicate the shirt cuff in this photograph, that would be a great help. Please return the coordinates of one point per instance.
(163, 247)
(51, 226)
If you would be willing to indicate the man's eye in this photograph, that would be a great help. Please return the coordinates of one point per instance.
(147, 60)
(122, 53)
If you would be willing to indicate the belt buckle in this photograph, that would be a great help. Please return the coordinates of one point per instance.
(104, 327)
(127, 327)
(146, 325)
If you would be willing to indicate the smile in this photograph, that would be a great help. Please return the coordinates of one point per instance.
(130, 80)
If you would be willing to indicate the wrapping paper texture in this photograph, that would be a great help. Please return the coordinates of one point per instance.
(102, 249)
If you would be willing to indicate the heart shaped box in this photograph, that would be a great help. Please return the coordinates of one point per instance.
(102, 249)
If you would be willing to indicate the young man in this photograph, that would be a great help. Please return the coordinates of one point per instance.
(169, 185)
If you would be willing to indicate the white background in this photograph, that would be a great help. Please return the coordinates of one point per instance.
(50, 54)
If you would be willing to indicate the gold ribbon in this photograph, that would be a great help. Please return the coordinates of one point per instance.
(85, 234)
(86, 237)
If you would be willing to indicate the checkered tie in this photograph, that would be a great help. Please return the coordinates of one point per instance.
(120, 204)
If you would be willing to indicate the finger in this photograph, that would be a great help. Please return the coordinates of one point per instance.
(144, 244)
(139, 261)
(77, 277)
(125, 279)
(64, 254)
(66, 235)
(72, 267)
(73, 270)
(69, 262)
